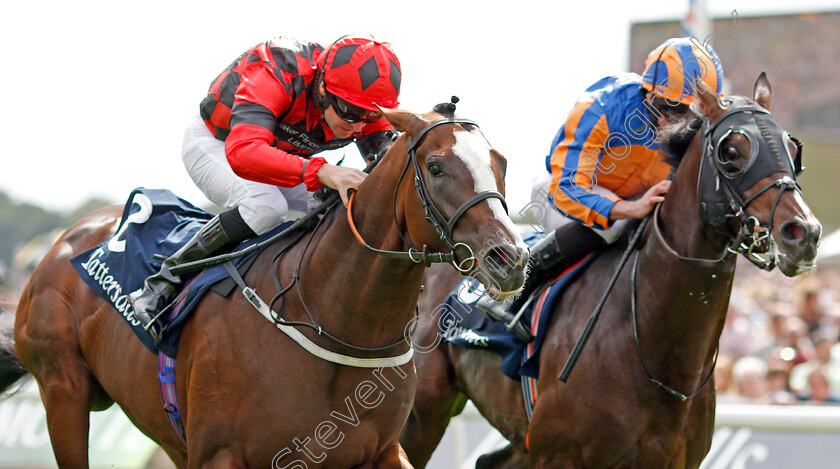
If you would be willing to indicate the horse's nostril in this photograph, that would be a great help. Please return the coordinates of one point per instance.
(504, 259)
(799, 232)
(792, 231)
(499, 258)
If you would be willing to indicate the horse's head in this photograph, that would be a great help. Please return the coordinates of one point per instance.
(747, 183)
(454, 201)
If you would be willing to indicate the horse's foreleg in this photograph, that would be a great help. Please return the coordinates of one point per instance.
(436, 401)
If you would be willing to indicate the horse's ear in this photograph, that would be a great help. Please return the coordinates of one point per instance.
(707, 99)
(404, 121)
(762, 91)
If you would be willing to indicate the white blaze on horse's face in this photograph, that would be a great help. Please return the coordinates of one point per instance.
(808, 217)
(474, 150)
(806, 210)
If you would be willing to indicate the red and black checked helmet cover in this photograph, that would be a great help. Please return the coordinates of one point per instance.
(362, 71)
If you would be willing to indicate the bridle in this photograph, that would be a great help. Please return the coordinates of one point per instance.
(443, 226)
(723, 200)
(721, 184)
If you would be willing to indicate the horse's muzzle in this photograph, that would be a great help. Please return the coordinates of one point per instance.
(797, 241)
(502, 270)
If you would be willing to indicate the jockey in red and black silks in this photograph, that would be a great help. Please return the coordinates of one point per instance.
(251, 147)
(266, 108)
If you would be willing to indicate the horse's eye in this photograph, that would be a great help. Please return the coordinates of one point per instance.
(435, 169)
(730, 153)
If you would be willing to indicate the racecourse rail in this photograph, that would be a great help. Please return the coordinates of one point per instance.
(802, 419)
(114, 440)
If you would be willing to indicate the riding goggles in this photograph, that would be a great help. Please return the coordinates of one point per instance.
(351, 113)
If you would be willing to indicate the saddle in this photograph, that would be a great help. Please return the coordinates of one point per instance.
(463, 325)
(155, 223)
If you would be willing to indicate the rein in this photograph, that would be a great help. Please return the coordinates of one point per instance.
(665, 387)
(443, 227)
(634, 312)
(751, 234)
(412, 254)
(304, 222)
(699, 262)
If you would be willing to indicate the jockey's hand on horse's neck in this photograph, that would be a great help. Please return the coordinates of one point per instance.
(341, 179)
(642, 206)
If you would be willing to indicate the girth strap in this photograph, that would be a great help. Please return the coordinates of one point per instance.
(304, 341)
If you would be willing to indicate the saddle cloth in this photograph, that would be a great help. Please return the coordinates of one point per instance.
(462, 325)
(154, 221)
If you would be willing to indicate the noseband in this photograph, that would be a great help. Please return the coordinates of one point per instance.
(721, 184)
(443, 226)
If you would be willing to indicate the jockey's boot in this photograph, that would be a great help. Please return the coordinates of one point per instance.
(159, 289)
(550, 256)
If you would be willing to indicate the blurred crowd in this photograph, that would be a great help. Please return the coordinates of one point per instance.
(779, 344)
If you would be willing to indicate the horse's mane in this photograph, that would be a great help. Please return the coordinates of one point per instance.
(674, 138)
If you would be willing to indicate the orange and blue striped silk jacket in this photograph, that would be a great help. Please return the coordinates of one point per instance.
(608, 140)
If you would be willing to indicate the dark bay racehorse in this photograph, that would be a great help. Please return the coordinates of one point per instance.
(638, 396)
(249, 395)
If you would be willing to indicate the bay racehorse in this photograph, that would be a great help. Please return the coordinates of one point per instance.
(249, 395)
(639, 396)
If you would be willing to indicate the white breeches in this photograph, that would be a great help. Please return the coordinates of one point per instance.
(262, 206)
(550, 218)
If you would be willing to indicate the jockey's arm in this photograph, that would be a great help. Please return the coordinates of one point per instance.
(249, 147)
(642, 206)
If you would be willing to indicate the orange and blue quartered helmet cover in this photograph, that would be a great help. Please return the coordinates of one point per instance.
(362, 71)
(673, 65)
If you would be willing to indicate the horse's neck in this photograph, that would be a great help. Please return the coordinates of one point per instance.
(376, 295)
(682, 303)
(682, 224)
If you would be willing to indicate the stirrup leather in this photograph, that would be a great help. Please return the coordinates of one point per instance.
(497, 311)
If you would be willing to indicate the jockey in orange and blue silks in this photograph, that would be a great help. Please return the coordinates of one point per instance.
(605, 167)
(606, 150)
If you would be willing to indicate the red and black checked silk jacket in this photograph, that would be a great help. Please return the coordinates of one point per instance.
(262, 106)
